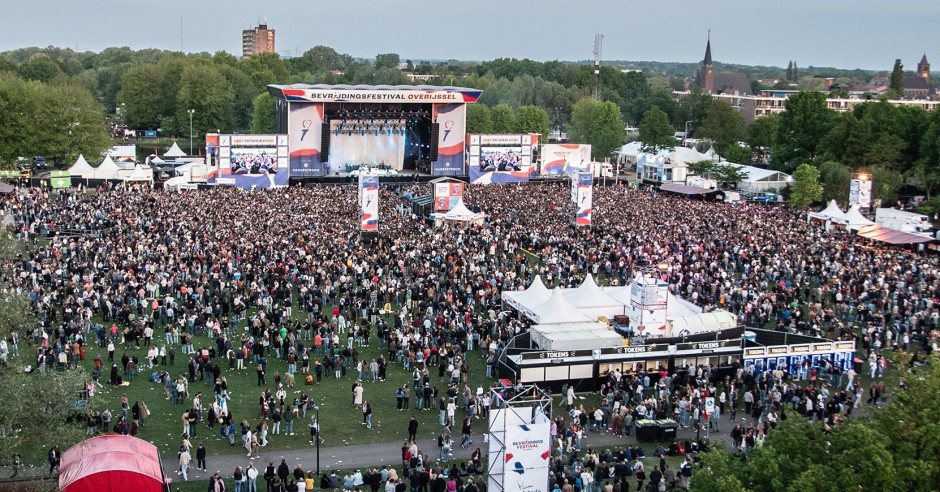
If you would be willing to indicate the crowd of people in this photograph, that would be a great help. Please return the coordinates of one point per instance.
(229, 281)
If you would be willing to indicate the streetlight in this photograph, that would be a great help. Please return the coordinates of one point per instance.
(317, 408)
(190, 111)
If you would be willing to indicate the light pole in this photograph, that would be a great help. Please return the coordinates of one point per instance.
(317, 408)
(190, 111)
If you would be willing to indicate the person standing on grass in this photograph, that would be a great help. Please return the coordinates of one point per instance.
(367, 414)
(314, 429)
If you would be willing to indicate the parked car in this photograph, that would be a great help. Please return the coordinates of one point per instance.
(39, 162)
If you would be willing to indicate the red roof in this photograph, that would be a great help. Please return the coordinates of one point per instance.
(876, 232)
(111, 462)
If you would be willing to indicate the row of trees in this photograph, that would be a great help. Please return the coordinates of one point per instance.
(58, 119)
(895, 450)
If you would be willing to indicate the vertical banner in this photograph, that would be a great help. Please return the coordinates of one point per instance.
(585, 199)
(567, 159)
(450, 140)
(61, 179)
(528, 453)
(305, 122)
(369, 203)
(860, 193)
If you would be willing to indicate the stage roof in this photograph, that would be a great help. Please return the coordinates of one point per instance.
(403, 94)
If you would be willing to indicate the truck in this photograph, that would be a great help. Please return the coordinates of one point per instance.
(902, 220)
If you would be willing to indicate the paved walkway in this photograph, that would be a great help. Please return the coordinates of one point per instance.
(377, 455)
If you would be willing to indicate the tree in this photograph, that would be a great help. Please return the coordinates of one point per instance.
(702, 168)
(725, 127)
(762, 133)
(55, 120)
(142, 102)
(805, 188)
(504, 120)
(263, 114)
(790, 70)
(885, 183)
(913, 417)
(533, 119)
(599, 124)
(801, 129)
(655, 131)
(36, 406)
(479, 119)
(897, 78)
(41, 69)
(836, 178)
(692, 109)
(728, 173)
(387, 60)
(205, 90)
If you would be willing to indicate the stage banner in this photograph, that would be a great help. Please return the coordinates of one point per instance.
(860, 193)
(369, 202)
(567, 159)
(528, 453)
(305, 122)
(585, 198)
(450, 139)
(447, 196)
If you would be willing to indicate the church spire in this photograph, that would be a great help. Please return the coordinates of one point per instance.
(708, 50)
(923, 59)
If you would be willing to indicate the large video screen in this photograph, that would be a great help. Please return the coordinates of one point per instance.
(253, 161)
(500, 159)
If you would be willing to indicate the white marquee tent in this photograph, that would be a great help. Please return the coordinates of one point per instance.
(832, 214)
(855, 218)
(140, 174)
(108, 169)
(460, 214)
(574, 336)
(591, 299)
(525, 300)
(82, 168)
(174, 152)
(557, 310)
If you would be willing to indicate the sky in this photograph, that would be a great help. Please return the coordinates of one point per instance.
(846, 34)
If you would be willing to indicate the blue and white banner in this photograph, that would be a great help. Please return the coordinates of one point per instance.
(369, 202)
(585, 198)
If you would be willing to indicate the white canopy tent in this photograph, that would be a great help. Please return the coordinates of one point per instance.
(108, 169)
(82, 168)
(574, 336)
(591, 299)
(460, 214)
(855, 218)
(832, 214)
(675, 305)
(760, 180)
(174, 152)
(557, 310)
(700, 323)
(525, 300)
(140, 174)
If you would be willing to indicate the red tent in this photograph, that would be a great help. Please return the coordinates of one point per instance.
(111, 462)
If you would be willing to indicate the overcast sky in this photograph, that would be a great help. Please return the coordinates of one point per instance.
(865, 34)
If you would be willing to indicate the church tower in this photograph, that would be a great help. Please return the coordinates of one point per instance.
(923, 68)
(708, 71)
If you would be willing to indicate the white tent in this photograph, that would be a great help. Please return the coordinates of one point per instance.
(81, 168)
(831, 214)
(528, 299)
(590, 299)
(557, 310)
(675, 305)
(140, 174)
(683, 156)
(856, 219)
(701, 323)
(175, 151)
(574, 336)
(461, 213)
(108, 169)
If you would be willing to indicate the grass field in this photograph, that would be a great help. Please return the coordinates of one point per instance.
(340, 421)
